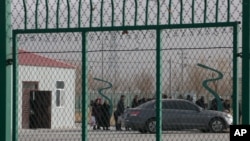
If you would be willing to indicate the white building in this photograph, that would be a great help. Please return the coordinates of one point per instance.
(46, 92)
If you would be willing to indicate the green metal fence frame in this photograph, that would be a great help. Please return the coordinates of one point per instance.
(5, 71)
(5, 100)
(158, 29)
(246, 63)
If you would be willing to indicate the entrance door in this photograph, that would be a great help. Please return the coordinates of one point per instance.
(40, 109)
(27, 87)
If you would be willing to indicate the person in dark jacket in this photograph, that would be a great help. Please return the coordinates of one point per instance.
(142, 100)
(214, 104)
(189, 98)
(97, 113)
(135, 102)
(227, 106)
(106, 115)
(119, 111)
(201, 102)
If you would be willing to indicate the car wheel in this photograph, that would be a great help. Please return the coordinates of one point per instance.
(216, 125)
(151, 125)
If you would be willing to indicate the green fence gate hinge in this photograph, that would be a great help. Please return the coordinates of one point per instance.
(239, 54)
(9, 62)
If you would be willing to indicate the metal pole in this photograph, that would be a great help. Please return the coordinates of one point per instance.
(170, 67)
(84, 88)
(235, 77)
(102, 57)
(182, 72)
(245, 63)
(158, 87)
(5, 70)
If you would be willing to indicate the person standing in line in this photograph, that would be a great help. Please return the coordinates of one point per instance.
(227, 106)
(142, 100)
(214, 104)
(119, 111)
(135, 101)
(201, 102)
(92, 120)
(106, 115)
(97, 113)
(189, 98)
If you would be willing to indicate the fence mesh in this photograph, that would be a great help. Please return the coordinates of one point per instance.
(43, 14)
(123, 63)
(50, 79)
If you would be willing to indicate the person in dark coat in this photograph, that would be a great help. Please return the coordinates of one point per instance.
(106, 115)
(93, 120)
(189, 98)
(214, 104)
(142, 100)
(119, 111)
(201, 102)
(227, 106)
(135, 102)
(97, 113)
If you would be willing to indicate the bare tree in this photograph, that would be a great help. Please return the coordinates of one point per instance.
(145, 83)
(197, 75)
(78, 80)
(224, 86)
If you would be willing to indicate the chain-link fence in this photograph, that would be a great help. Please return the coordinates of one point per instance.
(180, 54)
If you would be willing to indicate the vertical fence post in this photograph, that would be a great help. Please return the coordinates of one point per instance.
(15, 88)
(235, 76)
(245, 62)
(84, 88)
(5, 71)
(158, 87)
(3, 103)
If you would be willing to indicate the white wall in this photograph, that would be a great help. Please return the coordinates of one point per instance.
(61, 117)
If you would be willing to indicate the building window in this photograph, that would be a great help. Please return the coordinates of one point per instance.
(59, 93)
(60, 84)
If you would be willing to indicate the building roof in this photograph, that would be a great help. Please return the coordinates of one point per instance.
(26, 58)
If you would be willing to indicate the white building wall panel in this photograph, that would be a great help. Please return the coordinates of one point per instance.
(63, 116)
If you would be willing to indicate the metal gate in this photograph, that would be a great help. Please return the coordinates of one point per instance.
(111, 57)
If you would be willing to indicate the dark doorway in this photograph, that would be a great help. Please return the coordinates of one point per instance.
(27, 87)
(40, 109)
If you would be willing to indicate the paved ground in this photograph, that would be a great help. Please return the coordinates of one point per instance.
(112, 135)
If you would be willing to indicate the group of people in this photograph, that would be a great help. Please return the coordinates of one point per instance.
(136, 101)
(120, 108)
(225, 104)
(100, 115)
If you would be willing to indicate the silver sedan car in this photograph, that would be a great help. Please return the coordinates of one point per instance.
(177, 114)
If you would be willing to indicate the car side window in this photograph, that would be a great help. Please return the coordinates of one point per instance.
(168, 105)
(164, 105)
(178, 105)
(186, 106)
